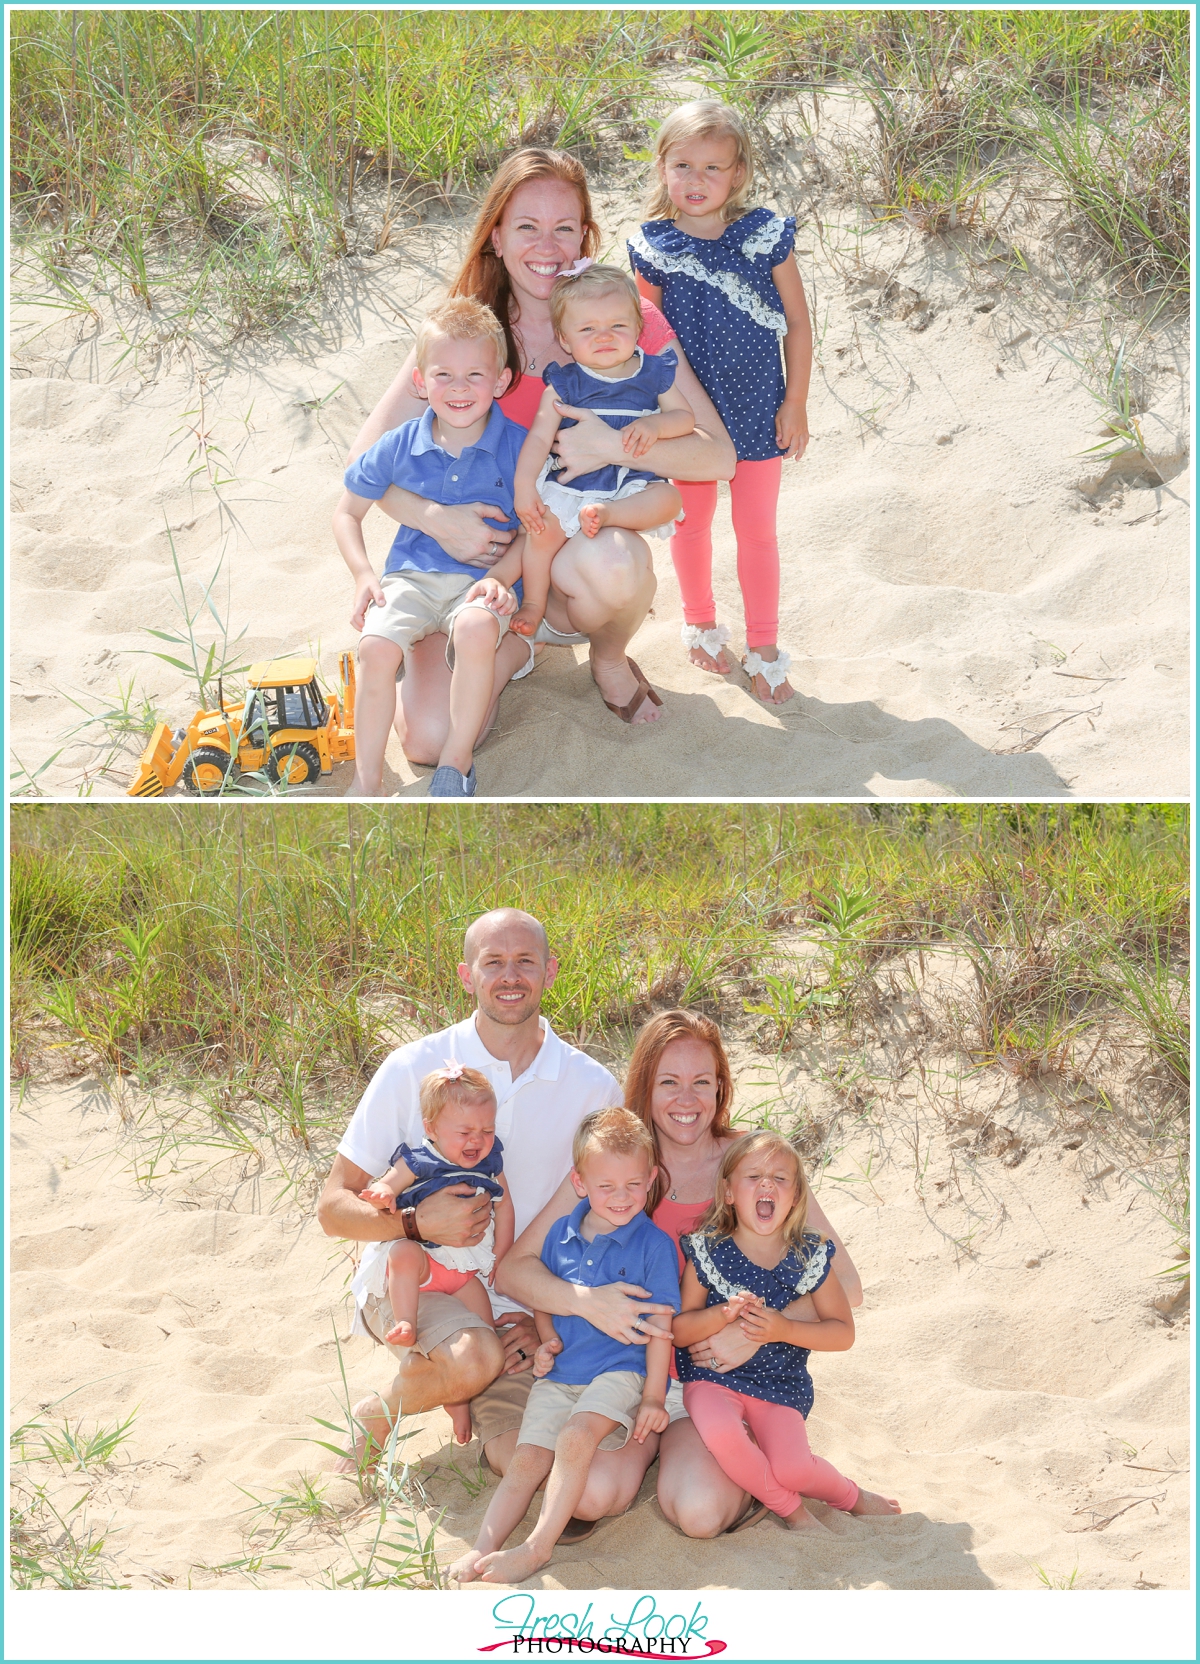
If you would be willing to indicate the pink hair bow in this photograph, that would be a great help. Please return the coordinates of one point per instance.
(579, 267)
(452, 1070)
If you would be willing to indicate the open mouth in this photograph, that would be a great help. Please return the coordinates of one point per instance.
(684, 1118)
(764, 1209)
(543, 269)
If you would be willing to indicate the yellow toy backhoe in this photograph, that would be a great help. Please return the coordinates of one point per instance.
(285, 726)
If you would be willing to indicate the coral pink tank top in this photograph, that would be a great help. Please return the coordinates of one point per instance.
(522, 403)
(677, 1219)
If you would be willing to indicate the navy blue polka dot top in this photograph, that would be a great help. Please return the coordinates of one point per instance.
(720, 298)
(778, 1371)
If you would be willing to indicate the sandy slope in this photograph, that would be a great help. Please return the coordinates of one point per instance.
(1024, 1400)
(958, 580)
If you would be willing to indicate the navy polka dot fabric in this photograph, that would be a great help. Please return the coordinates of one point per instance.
(720, 298)
(778, 1371)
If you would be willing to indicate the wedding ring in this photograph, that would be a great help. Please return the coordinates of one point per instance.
(522, 1354)
(491, 548)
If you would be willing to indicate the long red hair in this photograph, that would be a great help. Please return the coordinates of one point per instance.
(484, 275)
(653, 1039)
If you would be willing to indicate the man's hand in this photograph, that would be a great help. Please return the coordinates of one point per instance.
(454, 1218)
(521, 1341)
(651, 1418)
(625, 1312)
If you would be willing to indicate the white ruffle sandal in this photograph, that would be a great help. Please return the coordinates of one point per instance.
(773, 671)
(711, 641)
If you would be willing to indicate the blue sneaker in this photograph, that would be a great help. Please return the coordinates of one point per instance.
(448, 782)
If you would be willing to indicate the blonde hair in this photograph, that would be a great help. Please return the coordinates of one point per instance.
(721, 1218)
(704, 118)
(443, 1086)
(612, 1131)
(483, 274)
(461, 319)
(590, 284)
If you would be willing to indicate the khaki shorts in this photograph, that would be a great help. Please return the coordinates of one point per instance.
(439, 1317)
(420, 604)
(617, 1394)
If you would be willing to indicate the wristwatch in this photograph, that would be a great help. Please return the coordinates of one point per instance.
(408, 1218)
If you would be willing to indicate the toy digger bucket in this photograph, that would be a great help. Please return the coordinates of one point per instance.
(156, 760)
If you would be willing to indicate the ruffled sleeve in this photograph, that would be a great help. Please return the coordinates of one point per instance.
(688, 1249)
(767, 236)
(404, 1154)
(559, 376)
(816, 1262)
(658, 372)
(641, 255)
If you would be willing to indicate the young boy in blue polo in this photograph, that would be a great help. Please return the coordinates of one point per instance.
(592, 1392)
(462, 450)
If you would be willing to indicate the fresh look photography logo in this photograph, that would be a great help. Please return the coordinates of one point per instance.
(644, 1631)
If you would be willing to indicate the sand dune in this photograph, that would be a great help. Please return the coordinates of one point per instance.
(973, 606)
(1012, 1381)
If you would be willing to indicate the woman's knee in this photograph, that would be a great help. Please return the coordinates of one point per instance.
(617, 567)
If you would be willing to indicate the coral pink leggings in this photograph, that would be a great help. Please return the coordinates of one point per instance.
(780, 1468)
(754, 489)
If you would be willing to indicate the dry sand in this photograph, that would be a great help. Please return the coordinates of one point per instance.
(1012, 1382)
(973, 606)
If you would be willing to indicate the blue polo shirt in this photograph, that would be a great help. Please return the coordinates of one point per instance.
(635, 1253)
(411, 458)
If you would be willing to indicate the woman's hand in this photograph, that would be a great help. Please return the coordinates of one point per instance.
(463, 530)
(590, 444)
(791, 428)
(625, 1312)
(727, 1349)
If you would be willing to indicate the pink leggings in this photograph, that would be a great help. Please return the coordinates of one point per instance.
(754, 489)
(780, 1468)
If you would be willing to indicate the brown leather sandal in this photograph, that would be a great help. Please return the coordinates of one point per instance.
(644, 692)
(750, 1515)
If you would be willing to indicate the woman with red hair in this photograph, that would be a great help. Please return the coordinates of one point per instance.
(535, 222)
(679, 1083)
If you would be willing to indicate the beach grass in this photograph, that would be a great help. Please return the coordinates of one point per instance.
(271, 955)
(211, 167)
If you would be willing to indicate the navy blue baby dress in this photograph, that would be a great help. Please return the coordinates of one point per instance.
(778, 1371)
(720, 299)
(433, 1172)
(618, 402)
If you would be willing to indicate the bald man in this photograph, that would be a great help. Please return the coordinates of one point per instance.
(544, 1088)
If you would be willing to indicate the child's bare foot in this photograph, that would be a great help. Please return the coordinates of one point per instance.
(466, 1568)
(705, 644)
(767, 669)
(525, 620)
(460, 1420)
(402, 1333)
(591, 517)
(511, 1565)
(802, 1520)
(870, 1502)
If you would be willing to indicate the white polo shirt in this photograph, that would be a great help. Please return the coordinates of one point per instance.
(536, 1118)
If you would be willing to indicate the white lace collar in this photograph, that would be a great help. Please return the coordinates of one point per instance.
(735, 289)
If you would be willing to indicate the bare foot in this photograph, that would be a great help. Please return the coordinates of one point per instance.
(591, 517)
(618, 685)
(525, 620)
(466, 1568)
(870, 1502)
(802, 1520)
(402, 1333)
(511, 1565)
(460, 1420)
(365, 1452)
(358, 789)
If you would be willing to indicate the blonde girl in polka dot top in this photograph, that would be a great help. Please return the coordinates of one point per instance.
(727, 280)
